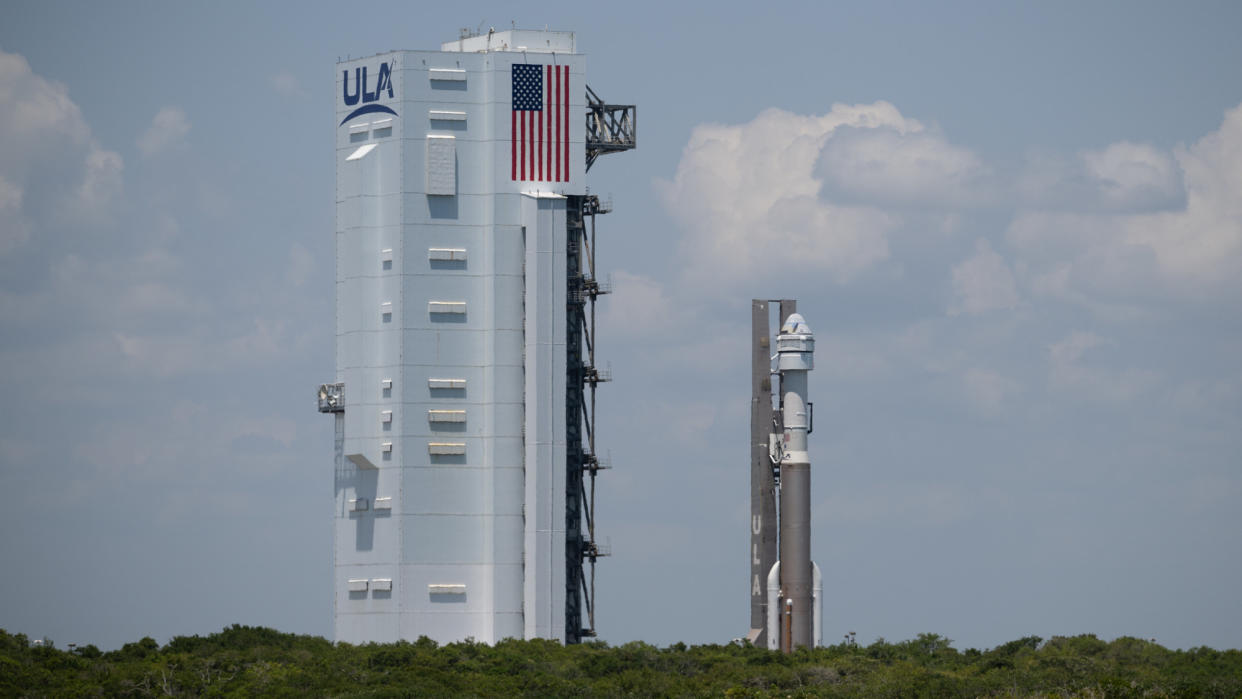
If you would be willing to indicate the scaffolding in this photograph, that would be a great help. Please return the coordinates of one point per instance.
(583, 376)
(610, 128)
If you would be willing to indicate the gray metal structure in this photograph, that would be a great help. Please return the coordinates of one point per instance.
(610, 128)
(582, 462)
(764, 420)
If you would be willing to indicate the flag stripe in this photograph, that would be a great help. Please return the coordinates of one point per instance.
(557, 109)
(565, 106)
(539, 124)
(547, 102)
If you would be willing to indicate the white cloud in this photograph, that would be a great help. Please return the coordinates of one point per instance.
(1133, 176)
(51, 169)
(983, 283)
(1203, 242)
(102, 181)
(890, 167)
(1122, 178)
(167, 130)
(749, 201)
(1195, 247)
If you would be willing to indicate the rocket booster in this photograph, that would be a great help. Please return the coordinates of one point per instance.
(795, 346)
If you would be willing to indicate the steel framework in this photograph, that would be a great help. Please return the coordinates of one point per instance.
(610, 128)
(582, 462)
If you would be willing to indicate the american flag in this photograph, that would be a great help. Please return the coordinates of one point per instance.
(539, 137)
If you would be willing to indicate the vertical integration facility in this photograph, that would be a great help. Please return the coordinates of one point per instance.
(465, 369)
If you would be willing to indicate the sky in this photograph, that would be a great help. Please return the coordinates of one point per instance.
(1015, 229)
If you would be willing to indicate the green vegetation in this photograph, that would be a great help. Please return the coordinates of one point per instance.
(250, 661)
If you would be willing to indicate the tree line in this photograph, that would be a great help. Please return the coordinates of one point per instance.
(245, 661)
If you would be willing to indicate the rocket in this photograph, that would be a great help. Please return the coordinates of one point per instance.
(791, 608)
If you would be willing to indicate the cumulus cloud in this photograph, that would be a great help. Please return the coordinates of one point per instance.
(889, 167)
(789, 193)
(51, 168)
(748, 198)
(1203, 242)
(983, 283)
(1122, 178)
(1193, 247)
(1133, 176)
(167, 130)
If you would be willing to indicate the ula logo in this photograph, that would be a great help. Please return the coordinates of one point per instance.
(383, 83)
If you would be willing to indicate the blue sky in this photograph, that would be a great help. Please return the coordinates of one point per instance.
(1015, 229)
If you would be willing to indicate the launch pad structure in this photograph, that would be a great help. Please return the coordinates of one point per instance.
(466, 371)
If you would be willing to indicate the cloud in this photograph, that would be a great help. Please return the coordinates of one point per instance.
(1133, 176)
(1124, 245)
(1071, 373)
(1121, 178)
(889, 167)
(1203, 242)
(983, 283)
(51, 168)
(167, 130)
(748, 198)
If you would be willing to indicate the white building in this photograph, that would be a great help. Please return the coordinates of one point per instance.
(460, 176)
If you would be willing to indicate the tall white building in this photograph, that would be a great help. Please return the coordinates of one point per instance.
(462, 291)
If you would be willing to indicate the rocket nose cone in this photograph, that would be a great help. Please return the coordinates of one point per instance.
(795, 325)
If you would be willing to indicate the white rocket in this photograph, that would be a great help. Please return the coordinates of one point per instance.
(794, 583)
